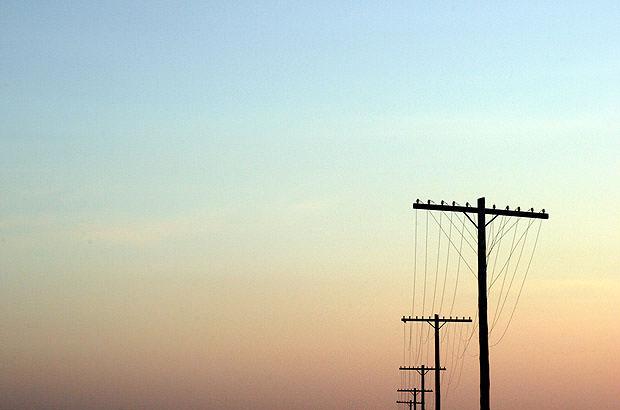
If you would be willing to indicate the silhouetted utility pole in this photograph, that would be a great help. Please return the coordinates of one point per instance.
(415, 401)
(483, 334)
(437, 323)
(412, 403)
(422, 370)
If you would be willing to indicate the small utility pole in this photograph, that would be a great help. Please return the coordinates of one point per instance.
(412, 403)
(483, 336)
(422, 370)
(415, 401)
(437, 323)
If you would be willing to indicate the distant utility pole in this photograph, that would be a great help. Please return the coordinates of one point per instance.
(413, 403)
(422, 370)
(437, 323)
(483, 335)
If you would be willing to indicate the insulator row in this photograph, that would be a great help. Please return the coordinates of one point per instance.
(433, 318)
(467, 204)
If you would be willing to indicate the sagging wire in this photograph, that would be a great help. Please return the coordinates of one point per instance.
(521, 288)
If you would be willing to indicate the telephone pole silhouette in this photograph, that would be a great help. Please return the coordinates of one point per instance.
(413, 404)
(483, 331)
(437, 323)
(422, 370)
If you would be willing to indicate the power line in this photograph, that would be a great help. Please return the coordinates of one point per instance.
(506, 266)
(458, 269)
(445, 275)
(513, 276)
(521, 288)
(460, 254)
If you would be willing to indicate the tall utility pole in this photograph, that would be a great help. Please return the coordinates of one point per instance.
(483, 332)
(413, 403)
(437, 323)
(422, 370)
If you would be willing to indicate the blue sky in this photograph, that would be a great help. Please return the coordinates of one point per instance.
(155, 97)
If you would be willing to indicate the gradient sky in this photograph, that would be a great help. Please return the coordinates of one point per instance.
(208, 204)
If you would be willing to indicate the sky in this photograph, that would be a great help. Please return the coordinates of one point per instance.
(208, 204)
